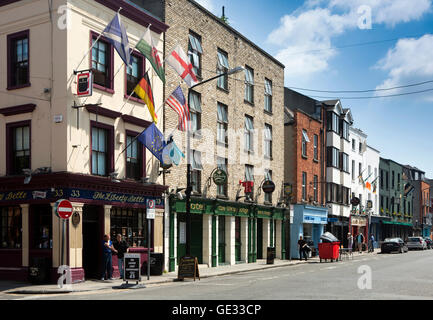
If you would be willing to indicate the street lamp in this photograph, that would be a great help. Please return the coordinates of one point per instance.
(188, 160)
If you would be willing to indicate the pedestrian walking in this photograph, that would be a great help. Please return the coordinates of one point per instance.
(302, 244)
(371, 243)
(360, 240)
(107, 251)
(350, 242)
(122, 247)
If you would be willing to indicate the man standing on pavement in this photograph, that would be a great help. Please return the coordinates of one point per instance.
(122, 247)
(371, 244)
(302, 246)
(107, 250)
(350, 242)
(360, 240)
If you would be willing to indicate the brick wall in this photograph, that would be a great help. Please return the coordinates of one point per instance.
(183, 16)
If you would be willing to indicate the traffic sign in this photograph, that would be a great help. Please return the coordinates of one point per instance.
(150, 212)
(64, 209)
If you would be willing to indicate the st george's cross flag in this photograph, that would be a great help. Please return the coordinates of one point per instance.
(177, 102)
(115, 32)
(179, 61)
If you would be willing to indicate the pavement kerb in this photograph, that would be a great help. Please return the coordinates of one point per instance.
(217, 274)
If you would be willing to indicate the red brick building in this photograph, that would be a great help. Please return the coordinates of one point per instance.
(304, 157)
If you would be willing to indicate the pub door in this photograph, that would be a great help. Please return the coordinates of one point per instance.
(221, 239)
(259, 238)
(196, 236)
(238, 239)
(92, 242)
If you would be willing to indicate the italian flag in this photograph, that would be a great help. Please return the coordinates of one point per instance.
(144, 91)
(147, 47)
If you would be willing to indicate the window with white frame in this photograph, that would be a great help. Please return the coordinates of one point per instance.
(249, 85)
(268, 176)
(268, 141)
(249, 133)
(196, 169)
(316, 147)
(222, 164)
(195, 111)
(315, 187)
(268, 95)
(304, 186)
(222, 67)
(195, 52)
(222, 123)
(305, 139)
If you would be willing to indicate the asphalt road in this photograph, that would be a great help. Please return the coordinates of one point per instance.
(393, 276)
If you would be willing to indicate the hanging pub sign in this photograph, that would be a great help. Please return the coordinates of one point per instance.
(287, 189)
(369, 204)
(355, 201)
(84, 84)
(268, 186)
(219, 177)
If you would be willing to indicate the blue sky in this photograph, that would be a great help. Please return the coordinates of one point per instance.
(299, 33)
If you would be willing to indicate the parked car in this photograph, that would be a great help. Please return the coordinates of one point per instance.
(416, 243)
(393, 245)
(429, 243)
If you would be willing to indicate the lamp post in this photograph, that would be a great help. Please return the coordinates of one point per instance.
(188, 190)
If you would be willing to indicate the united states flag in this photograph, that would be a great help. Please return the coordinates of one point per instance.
(178, 103)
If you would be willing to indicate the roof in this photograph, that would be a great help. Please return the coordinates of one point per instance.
(210, 14)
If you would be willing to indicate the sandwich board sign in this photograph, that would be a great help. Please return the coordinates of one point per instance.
(132, 267)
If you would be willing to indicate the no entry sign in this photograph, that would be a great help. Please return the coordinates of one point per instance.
(64, 209)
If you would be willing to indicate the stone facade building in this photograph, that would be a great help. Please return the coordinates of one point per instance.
(237, 123)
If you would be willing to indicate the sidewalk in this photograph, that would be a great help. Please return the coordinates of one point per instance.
(10, 287)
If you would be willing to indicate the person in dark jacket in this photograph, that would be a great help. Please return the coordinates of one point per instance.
(122, 247)
(302, 244)
(107, 249)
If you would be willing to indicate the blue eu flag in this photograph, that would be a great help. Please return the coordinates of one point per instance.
(153, 140)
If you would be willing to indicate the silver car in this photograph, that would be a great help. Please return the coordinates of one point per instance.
(416, 243)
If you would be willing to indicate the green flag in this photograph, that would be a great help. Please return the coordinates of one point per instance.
(148, 49)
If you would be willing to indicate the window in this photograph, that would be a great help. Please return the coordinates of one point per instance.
(333, 156)
(305, 139)
(315, 189)
(344, 162)
(249, 133)
(381, 179)
(268, 141)
(249, 85)
(222, 67)
(346, 196)
(353, 169)
(222, 164)
(268, 176)
(10, 227)
(102, 156)
(134, 156)
(268, 95)
(249, 176)
(392, 179)
(102, 63)
(222, 123)
(304, 186)
(194, 53)
(196, 168)
(333, 122)
(345, 130)
(353, 144)
(195, 111)
(387, 180)
(359, 169)
(18, 60)
(316, 147)
(131, 224)
(18, 147)
(134, 73)
(360, 147)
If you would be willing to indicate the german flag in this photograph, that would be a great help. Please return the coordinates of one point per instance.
(144, 91)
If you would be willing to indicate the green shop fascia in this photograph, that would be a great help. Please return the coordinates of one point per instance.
(219, 207)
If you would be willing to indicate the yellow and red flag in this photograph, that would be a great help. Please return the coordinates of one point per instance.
(144, 91)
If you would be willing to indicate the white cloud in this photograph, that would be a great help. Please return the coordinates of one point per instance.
(305, 36)
(410, 61)
(208, 4)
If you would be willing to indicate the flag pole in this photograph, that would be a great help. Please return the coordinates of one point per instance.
(120, 8)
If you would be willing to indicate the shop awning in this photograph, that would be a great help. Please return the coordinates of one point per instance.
(398, 223)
